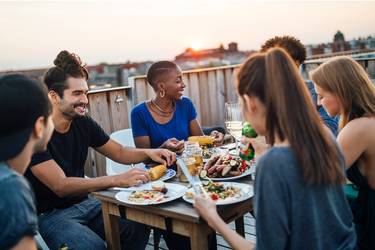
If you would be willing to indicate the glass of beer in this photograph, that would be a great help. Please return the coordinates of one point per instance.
(192, 149)
(191, 166)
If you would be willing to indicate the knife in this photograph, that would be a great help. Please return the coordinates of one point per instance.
(194, 181)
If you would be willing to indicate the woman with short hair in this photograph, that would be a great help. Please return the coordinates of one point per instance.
(169, 118)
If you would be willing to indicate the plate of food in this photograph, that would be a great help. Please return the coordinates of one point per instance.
(152, 193)
(208, 153)
(157, 173)
(160, 172)
(223, 193)
(225, 167)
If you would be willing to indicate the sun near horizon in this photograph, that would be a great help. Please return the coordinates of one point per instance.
(196, 45)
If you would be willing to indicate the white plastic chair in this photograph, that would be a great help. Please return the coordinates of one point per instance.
(41, 244)
(125, 138)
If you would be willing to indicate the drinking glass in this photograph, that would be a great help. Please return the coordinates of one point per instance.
(233, 121)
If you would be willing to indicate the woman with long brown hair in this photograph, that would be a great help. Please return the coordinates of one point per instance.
(344, 89)
(299, 202)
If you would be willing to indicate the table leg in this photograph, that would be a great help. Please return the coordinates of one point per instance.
(111, 227)
(212, 241)
(240, 226)
(198, 238)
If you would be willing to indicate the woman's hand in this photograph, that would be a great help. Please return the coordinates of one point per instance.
(163, 156)
(174, 145)
(260, 145)
(206, 208)
(218, 137)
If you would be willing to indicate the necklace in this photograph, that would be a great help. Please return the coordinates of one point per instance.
(156, 111)
(163, 110)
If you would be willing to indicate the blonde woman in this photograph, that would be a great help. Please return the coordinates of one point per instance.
(299, 202)
(344, 89)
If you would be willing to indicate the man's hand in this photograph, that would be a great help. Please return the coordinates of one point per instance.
(218, 137)
(163, 156)
(174, 145)
(132, 177)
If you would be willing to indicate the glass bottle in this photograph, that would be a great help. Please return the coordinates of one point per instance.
(246, 149)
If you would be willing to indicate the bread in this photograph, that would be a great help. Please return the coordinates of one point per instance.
(189, 195)
(158, 185)
(157, 172)
(202, 140)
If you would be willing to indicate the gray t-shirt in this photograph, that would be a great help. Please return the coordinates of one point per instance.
(293, 215)
(17, 208)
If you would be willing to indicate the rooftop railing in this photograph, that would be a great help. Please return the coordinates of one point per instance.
(208, 88)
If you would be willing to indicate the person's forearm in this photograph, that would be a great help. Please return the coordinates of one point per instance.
(130, 155)
(26, 243)
(78, 186)
(235, 240)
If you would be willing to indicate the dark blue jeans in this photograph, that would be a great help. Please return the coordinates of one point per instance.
(81, 227)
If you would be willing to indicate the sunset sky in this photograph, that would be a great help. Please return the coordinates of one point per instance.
(33, 32)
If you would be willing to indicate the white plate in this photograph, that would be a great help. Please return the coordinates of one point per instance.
(247, 192)
(168, 175)
(234, 152)
(215, 151)
(175, 191)
(246, 173)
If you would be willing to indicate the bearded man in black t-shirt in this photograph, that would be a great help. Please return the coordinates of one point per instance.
(66, 213)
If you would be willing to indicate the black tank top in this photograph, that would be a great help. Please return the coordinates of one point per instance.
(363, 209)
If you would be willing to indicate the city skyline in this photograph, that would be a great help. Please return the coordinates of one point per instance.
(33, 32)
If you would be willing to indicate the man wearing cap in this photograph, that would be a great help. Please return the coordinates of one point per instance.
(25, 128)
(67, 214)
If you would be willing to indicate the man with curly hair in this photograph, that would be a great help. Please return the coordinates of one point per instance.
(297, 51)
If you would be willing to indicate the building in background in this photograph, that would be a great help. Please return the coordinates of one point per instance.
(105, 75)
(339, 44)
(214, 57)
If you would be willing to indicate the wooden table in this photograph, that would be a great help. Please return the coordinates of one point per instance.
(176, 216)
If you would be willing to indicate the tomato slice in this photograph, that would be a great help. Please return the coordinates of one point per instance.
(214, 197)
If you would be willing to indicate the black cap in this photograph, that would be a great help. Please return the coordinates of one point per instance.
(22, 101)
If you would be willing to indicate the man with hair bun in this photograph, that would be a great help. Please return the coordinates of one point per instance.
(67, 213)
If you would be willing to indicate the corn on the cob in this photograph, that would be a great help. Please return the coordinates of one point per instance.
(202, 140)
(157, 172)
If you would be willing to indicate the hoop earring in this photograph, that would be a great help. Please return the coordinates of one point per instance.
(162, 93)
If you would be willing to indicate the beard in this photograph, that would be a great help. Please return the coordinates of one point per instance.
(71, 113)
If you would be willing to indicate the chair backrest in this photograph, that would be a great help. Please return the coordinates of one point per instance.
(41, 244)
(125, 138)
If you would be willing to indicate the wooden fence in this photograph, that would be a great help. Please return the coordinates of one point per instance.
(110, 108)
(208, 88)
